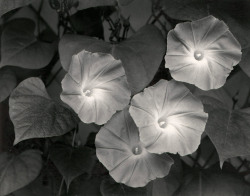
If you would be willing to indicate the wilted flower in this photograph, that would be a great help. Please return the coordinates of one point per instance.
(119, 149)
(95, 87)
(169, 117)
(202, 52)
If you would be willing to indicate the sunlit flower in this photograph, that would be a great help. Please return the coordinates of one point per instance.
(119, 149)
(202, 52)
(95, 87)
(169, 117)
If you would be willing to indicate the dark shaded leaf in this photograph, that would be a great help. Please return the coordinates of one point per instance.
(72, 162)
(184, 10)
(35, 115)
(140, 54)
(124, 2)
(84, 4)
(85, 187)
(21, 48)
(213, 183)
(8, 82)
(245, 61)
(6, 6)
(168, 185)
(88, 22)
(235, 13)
(229, 132)
(16, 171)
(109, 188)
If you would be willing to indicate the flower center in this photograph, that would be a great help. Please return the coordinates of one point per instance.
(198, 55)
(137, 150)
(87, 93)
(162, 123)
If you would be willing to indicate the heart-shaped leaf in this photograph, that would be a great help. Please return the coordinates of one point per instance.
(16, 171)
(229, 132)
(8, 82)
(72, 162)
(6, 6)
(140, 54)
(21, 48)
(35, 115)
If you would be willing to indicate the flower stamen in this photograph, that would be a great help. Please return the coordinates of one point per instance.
(198, 55)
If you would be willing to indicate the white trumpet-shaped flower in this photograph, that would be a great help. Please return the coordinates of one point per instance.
(169, 118)
(202, 52)
(95, 87)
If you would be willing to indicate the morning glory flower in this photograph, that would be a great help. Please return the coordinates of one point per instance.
(95, 87)
(120, 150)
(202, 52)
(169, 118)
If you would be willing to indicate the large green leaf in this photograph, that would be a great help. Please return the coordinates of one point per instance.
(72, 162)
(8, 82)
(140, 54)
(35, 115)
(213, 183)
(21, 48)
(8, 5)
(16, 171)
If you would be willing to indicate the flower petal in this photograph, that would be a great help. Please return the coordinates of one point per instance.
(95, 87)
(180, 121)
(116, 143)
(202, 52)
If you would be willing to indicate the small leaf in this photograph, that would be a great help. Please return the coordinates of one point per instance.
(21, 48)
(229, 132)
(8, 82)
(140, 54)
(6, 6)
(35, 115)
(109, 187)
(16, 171)
(72, 162)
(213, 183)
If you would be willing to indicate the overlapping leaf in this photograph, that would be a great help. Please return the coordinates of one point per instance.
(72, 162)
(21, 48)
(6, 6)
(110, 187)
(16, 171)
(140, 54)
(216, 183)
(235, 14)
(8, 82)
(84, 4)
(35, 115)
(229, 132)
